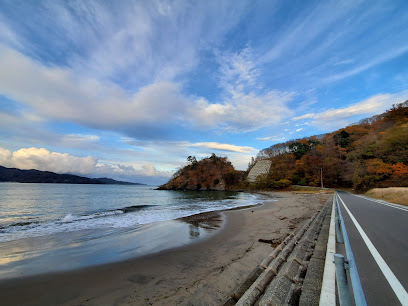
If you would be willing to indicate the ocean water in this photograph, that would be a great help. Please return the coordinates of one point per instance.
(33, 210)
(54, 227)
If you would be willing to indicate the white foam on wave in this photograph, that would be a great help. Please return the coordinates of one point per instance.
(68, 218)
(119, 219)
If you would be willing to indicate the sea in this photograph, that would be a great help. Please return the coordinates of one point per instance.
(57, 227)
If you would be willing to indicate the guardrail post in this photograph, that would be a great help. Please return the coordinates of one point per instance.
(339, 232)
(341, 278)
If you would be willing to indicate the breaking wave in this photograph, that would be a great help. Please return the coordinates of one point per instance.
(129, 216)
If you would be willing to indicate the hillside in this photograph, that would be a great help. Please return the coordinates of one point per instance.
(37, 176)
(372, 153)
(211, 173)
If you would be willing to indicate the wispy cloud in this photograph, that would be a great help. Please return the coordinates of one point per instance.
(305, 116)
(58, 93)
(336, 118)
(179, 150)
(238, 71)
(140, 47)
(330, 41)
(162, 73)
(224, 147)
(81, 138)
(272, 138)
(246, 105)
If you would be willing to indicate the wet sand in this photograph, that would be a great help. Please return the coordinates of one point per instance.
(201, 273)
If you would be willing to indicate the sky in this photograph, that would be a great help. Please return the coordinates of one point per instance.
(130, 89)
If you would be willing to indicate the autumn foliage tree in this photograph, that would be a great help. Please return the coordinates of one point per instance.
(372, 153)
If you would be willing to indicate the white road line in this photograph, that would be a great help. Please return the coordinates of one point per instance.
(382, 202)
(328, 292)
(395, 284)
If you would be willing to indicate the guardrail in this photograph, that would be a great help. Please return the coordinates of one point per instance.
(342, 265)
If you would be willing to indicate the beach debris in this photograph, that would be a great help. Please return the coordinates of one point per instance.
(273, 242)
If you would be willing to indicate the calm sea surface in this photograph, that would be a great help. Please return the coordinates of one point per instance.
(44, 226)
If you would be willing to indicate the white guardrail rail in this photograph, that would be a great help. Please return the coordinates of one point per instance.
(343, 264)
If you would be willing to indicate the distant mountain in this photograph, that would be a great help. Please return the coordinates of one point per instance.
(37, 176)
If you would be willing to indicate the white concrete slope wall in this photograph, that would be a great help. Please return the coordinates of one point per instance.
(261, 167)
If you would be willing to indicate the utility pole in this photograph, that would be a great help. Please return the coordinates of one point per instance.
(321, 176)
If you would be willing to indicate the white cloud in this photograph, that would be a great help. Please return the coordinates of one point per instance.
(331, 40)
(170, 155)
(223, 147)
(8, 36)
(42, 159)
(272, 138)
(305, 116)
(243, 112)
(375, 60)
(80, 138)
(5, 156)
(245, 106)
(336, 118)
(151, 41)
(59, 94)
(128, 170)
(238, 70)
(298, 130)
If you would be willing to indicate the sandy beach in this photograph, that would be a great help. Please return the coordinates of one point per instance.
(201, 273)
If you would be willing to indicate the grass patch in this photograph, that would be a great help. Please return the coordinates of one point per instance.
(397, 195)
(307, 189)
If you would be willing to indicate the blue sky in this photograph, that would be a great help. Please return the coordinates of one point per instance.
(129, 89)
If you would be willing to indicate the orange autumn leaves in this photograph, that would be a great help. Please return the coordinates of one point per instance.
(377, 166)
(372, 153)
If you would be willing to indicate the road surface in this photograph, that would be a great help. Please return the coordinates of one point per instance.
(378, 235)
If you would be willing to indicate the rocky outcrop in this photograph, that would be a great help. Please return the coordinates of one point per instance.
(212, 173)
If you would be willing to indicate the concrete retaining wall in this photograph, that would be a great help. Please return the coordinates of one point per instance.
(292, 274)
(261, 167)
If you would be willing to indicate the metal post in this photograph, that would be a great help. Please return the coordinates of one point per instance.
(341, 278)
(321, 176)
(339, 233)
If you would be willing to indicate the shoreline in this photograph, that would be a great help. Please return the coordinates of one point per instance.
(202, 272)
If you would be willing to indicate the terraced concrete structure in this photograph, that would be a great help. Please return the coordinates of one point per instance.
(261, 167)
(292, 274)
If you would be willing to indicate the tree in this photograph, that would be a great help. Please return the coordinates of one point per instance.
(342, 139)
(192, 160)
(299, 149)
(251, 164)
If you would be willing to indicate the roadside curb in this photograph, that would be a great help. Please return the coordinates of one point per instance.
(328, 293)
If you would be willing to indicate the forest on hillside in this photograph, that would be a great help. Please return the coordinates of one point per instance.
(372, 153)
(209, 173)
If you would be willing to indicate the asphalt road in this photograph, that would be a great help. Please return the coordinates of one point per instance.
(387, 229)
